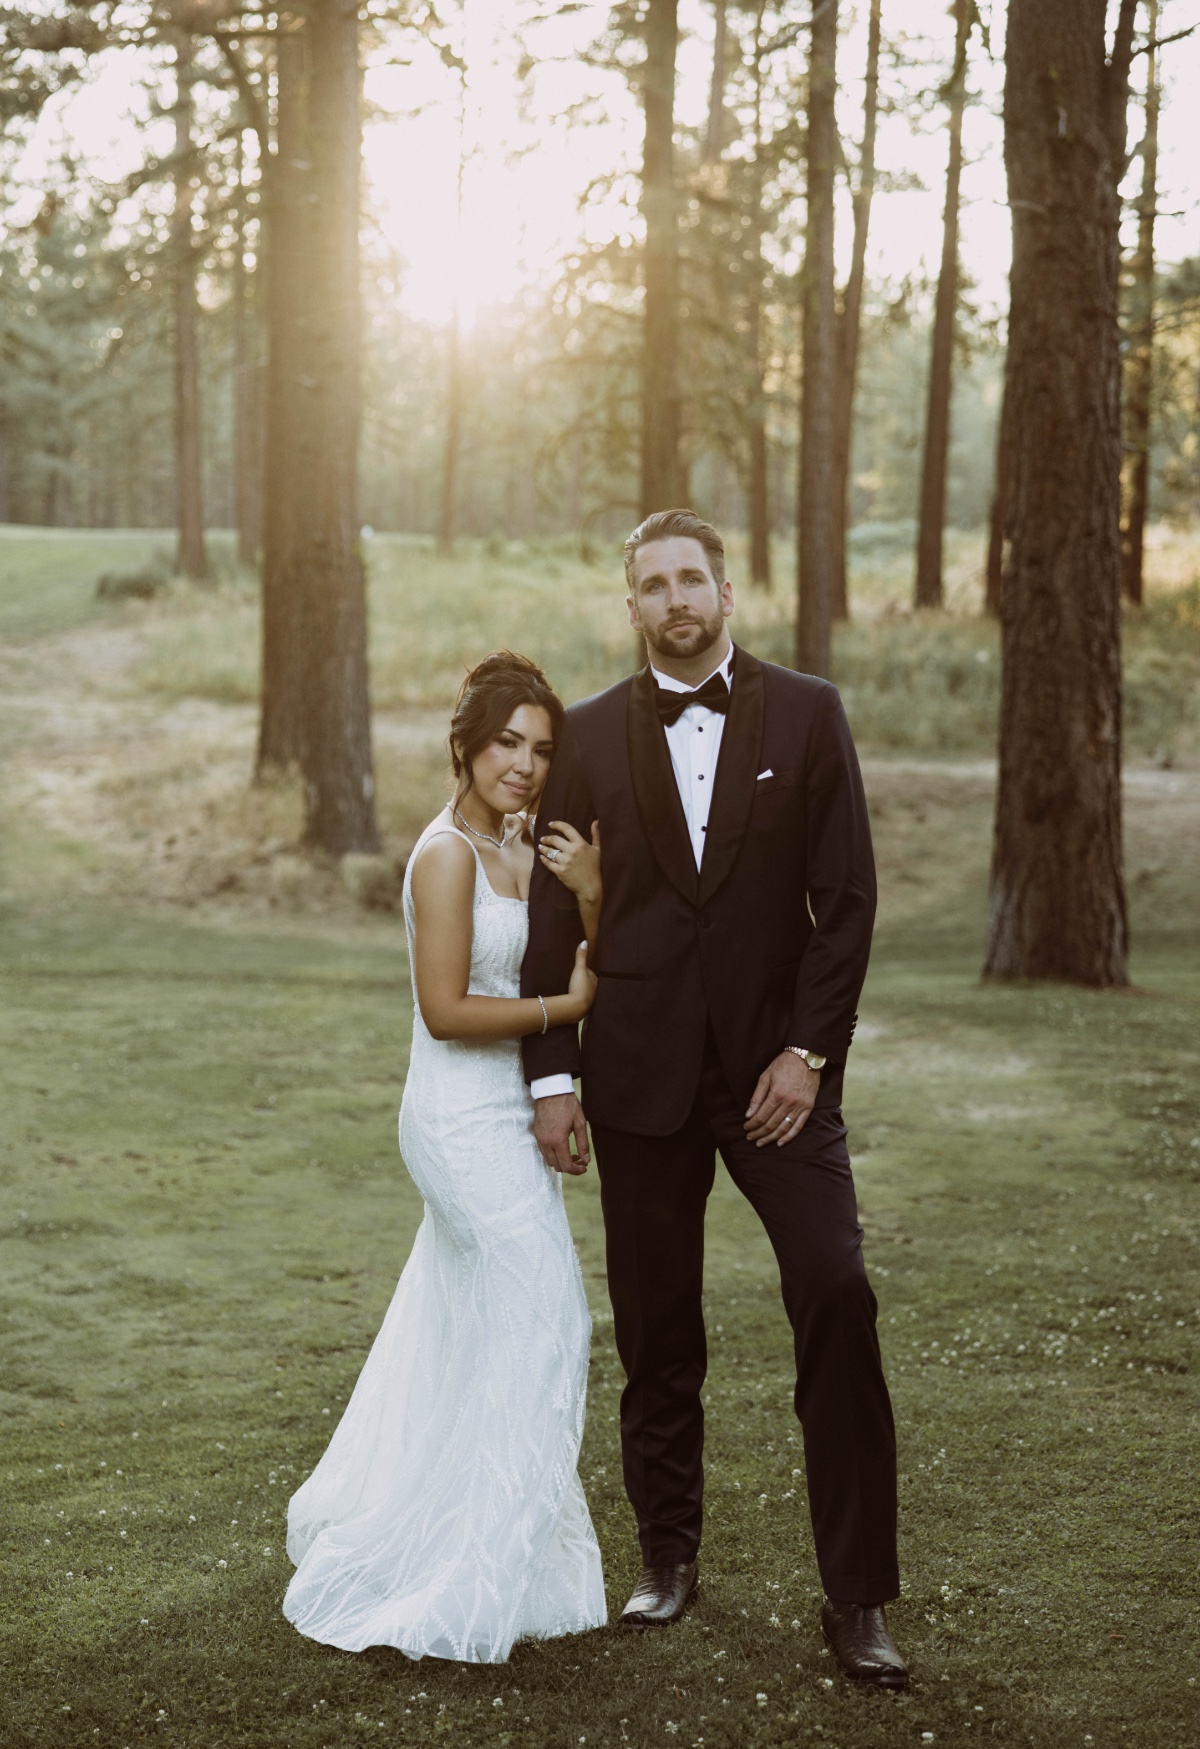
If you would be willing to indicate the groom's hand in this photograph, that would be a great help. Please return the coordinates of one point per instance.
(556, 1120)
(783, 1099)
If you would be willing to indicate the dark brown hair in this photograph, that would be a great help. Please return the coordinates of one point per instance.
(487, 698)
(664, 525)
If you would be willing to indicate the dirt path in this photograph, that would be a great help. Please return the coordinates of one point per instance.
(153, 795)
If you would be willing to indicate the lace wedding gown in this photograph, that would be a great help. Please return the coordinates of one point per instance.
(446, 1517)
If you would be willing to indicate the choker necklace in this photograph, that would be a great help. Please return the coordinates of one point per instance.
(500, 843)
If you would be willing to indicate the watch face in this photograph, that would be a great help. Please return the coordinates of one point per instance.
(814, 1061)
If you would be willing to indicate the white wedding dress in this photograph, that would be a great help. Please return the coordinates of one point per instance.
(446, 1517)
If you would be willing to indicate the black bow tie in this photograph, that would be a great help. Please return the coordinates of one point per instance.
(713, 695)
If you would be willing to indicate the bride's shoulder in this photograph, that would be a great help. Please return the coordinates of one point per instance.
(443, 859)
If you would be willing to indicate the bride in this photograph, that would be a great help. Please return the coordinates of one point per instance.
(446, 1517)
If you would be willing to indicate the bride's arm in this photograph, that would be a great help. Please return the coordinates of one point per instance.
(443, 890)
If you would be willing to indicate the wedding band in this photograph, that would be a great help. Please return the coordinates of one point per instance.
(552, 854)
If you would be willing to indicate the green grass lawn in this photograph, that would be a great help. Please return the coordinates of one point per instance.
(204, 1216)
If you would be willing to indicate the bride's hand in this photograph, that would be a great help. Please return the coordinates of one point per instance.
(582, 987)
(575, 862)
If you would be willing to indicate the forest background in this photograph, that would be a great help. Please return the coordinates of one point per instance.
(311, 391)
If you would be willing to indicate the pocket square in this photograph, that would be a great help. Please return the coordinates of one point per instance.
(767, 773)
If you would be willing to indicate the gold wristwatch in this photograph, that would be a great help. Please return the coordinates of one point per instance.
(814, 1060)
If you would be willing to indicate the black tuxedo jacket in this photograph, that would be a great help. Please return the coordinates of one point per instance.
(769, 940)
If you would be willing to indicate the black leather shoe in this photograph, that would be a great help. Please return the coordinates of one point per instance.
(660, 1596)
(866, 1651)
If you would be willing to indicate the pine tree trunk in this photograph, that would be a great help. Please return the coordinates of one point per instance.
(247, 394)
(339, 783)
(993, 574)
(1057, 902)
(662, 474)
(191, 558)
(850, 320)
(716, 90)
(931, 527)
(1139, 358)
(451, 441)
(287, 222)
(759, 456)
(816, 515)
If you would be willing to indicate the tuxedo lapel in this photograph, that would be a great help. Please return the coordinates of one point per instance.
(655, 790)
(737, 770)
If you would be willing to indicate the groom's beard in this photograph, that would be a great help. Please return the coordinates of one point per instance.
(702, 634)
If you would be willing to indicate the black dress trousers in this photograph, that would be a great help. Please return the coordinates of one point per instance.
(653, 1192)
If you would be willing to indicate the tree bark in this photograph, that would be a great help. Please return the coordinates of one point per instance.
(1057, 901)
(815, 508)
(247, 395)
(716, 91)
(191, 556)
(993, 577)
(1139, 358)
(932, 523)
(287, 222)
(451, 439)
(758, 458)
(850, 319)
(339, 782)
(662, 474)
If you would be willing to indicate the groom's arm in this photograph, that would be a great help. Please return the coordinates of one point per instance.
(555, 927)
(841, 888)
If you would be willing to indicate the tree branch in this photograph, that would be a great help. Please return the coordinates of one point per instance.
(255, 107)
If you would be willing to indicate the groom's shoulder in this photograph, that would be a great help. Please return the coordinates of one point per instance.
(602, 709)
(804, 690)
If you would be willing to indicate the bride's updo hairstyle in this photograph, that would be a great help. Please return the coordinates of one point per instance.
(487, 698)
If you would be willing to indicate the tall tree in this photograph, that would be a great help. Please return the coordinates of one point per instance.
(716, 89)
(286, 171)
(815, 516)
(758, 457)
(191, 554)
(663, 482)
(850, 317)
(1139, 357)
(931, 526)
(328, 575)
(455, 386)
(1057, 903)
(247, 384)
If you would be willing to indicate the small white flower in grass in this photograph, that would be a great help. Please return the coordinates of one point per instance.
(761, 1699)
(828, 1681)
(70, 1575)
(191, 1518)
(927, 1736)
(671, 1726)
(45, 1539)
(499, 1700)
(222, 1563)
(124, 1533)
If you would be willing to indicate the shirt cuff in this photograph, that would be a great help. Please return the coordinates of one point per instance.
(546, 1086)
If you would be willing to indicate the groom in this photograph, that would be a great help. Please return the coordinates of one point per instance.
(739, 895)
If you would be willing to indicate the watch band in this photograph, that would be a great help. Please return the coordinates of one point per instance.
(812, 1059)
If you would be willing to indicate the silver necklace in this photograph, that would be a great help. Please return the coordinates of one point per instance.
(500, 843)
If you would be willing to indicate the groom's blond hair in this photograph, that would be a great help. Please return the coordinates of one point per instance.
(666, 525)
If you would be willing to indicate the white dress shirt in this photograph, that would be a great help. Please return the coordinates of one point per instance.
(694, 741)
